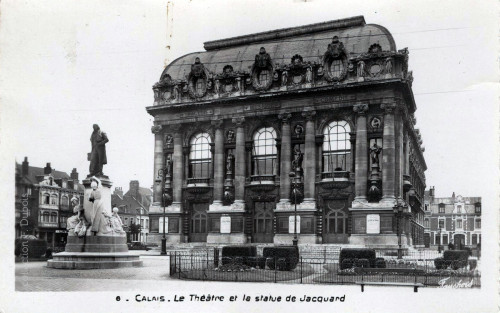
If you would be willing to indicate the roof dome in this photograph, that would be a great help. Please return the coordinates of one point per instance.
(308, 41)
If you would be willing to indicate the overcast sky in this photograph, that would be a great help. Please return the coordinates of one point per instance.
(66, 67)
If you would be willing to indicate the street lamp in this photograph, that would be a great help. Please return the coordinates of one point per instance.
(398, 209)
(162, 174)
(295, 180)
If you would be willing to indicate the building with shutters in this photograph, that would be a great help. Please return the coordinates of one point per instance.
(454, 218)
(330, 102)
(43, 202)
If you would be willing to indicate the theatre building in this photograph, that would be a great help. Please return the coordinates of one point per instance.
(331, 103)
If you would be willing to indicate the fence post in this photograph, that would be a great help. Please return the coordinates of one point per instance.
(180, 265)
(275, 269)
(301, 270)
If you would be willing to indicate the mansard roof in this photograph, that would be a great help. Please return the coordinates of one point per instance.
(309, 41)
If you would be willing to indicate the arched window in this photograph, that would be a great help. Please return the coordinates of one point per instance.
(64, 200)
(53, 199)
(45, 217)
(46, 198)
(336, 222)
(264, 152)
(200, 156)
(53, 217)
(336, 147)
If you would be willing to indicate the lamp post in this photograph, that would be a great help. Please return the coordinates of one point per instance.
(398, 209)
(161, 175)
(295, 181)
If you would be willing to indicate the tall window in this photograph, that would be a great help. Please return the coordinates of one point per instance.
(441, 224)
(426, 223)
(45, 217)
(53, 199)
(264, 151)
(200, 156)
(441, 208)
(64, 200)
(53, 217)
(46, 199)
(336, 147)
(459, 223)
(477, 223)
(477, 207)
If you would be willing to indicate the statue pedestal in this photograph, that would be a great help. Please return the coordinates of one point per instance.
(95, 251)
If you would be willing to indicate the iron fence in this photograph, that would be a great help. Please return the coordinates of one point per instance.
(321, 268)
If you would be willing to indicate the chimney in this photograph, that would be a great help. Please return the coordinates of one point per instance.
(74, 174)
(134, 188)
(119, 192)
(431, 192)
(47, 169)
(453, 197)
(25, 167)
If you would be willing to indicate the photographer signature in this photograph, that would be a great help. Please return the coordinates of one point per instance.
(443, 284)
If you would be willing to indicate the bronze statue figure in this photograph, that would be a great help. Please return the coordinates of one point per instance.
(97, 156)
(374, 152)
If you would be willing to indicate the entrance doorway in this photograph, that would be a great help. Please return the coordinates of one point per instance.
(263, 222)
(459, 241)
(427, 240)
(199, 222)
(335, 221)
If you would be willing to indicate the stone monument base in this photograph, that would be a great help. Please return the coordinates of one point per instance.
(93, 260)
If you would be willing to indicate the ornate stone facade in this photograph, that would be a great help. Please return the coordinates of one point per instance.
(334, 109)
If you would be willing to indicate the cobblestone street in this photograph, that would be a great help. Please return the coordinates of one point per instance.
(35, 276)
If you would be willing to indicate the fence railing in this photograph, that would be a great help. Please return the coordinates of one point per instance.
(315, 268)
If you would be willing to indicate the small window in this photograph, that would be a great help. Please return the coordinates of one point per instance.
(459, 223)
(474, 239)
(426, 223)
(283, 225)
(53, 200)
(427, 207)
(264, 77)
(307, 225)
(438, 240)
(441, 224)
(445, 239)
(46, 199)
(441, 208)
(477, 207)
(477, 223)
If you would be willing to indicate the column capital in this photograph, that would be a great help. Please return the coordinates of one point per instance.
(217, 124)
(156, 129)
(389, 107)
(239, 121)
(309, 115)
(285, 117)
(360, 108)
(175, 127)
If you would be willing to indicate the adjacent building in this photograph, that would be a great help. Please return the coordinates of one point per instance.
(133, 210)
(454, 218)
(331, 103)
(43, 202)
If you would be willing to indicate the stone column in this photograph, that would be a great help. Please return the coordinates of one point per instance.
(158, 164)
(310, 161)
(178, 167)
(239, 163)
(361, 161)
(218, 163)
(389, 154)
(285, 162)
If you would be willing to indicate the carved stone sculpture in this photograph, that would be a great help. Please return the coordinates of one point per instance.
(374, 153)
(284, 78)
(99, 219)
(298, 157)
(309, 75)
(361, 69)
(388, 66)
(116, 222)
